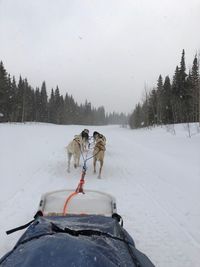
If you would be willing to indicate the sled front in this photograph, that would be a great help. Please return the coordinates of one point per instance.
(91, 202)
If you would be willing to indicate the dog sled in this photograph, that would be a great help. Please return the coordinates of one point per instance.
(89, 202)
(87, 231)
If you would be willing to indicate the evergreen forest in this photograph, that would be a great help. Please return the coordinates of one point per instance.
(171, 101)
(20, 102)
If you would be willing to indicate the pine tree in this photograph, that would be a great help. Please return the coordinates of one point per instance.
(51, 108)
(13, 100)
(136, 118)
(57, 105)
(19, 99)
(43, 104)
(87, 115)
(10, 97)
(176, 100)
(25, 100)
(183, 89)
(31, 101)
(37, 105)
(153, 104)
(160, 100)
(195, 89)
(167, 102)
(4, 94)
(73, 112)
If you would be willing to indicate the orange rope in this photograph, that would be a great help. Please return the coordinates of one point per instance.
(79, 189)
(67, 200)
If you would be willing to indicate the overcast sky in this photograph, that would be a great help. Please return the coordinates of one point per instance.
(104, 51)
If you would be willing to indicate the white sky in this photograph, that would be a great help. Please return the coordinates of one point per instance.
(104, 51)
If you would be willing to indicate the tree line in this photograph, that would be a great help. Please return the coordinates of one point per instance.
(176, 101)
(20, 102)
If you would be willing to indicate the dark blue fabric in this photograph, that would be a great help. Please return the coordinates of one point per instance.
(41, 245)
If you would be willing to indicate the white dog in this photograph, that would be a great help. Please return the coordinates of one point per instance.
(75, 148)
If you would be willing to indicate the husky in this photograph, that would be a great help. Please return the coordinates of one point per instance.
(97, 135)
(98, 153)
(85, 140)
(75, 148)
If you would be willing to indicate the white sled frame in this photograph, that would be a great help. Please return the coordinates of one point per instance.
(91, 202)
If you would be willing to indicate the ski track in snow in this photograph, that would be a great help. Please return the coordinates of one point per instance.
(153, 175)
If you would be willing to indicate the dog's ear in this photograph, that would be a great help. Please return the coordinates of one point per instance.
(86, 131)
(85, 135)
(95, 133)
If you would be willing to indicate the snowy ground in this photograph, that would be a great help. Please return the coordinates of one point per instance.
(154, 175)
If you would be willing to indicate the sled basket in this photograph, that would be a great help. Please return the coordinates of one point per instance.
(91, 203)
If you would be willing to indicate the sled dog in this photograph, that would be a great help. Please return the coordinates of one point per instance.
(75, 147)
(85, 139)
(97, 135)
(98, 153)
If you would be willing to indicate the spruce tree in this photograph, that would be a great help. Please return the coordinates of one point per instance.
(183, 89)
(195, 89)
(160, 100)
(51, 108)
(167, 102)
(4, 94)
(19, 98)
(13, 100)
(43, 104)
(57, 105)
(25, 100)
(153, 104)
(176, 100)
(37, 105)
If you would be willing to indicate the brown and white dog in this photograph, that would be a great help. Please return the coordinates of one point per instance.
(75, 147)
(96, 136)
(99, 152)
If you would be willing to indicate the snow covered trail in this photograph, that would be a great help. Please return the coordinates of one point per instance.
(155, 177)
